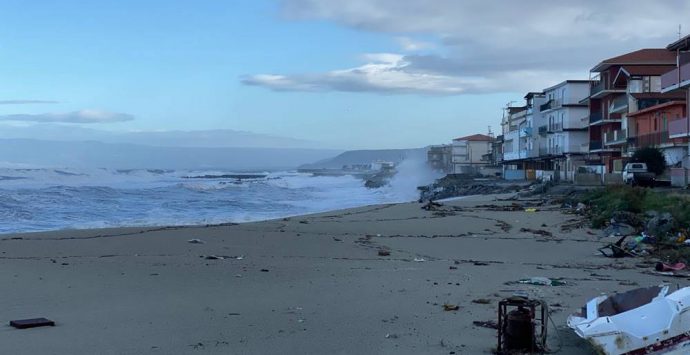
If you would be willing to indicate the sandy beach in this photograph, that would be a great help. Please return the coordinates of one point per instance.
(304, 285)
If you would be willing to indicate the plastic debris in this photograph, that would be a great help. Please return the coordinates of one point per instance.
(384, 253)
(542, 281)
(32, 323)
(419, 260)
(195, 241)
(450, 307)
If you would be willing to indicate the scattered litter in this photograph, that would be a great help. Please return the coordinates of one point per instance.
(482, 301)
(384, 253)
(391, 336)
(431, 206)
(241, 257)
(264, 270)
(637, 321)
(419, 260)
(531, 209)
(213, 257)
(32, 323)
(337, 239)
(450, 307)
(669, 267)
(304, 222)
(195, 241)
(486, 324)
(480, 263)
(537, 232)
(542, 281)
(453, 267)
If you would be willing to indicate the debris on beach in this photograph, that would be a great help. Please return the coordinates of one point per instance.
(264, 270)
(450, 307)
(419, 260)
(541, 232)
(481, 301)
(32, 323)
(384, 252)
(195, 241)
(643, 320)
(486, 324)
(431, 206)
(542, 281)
(213, 257)
(669, 267)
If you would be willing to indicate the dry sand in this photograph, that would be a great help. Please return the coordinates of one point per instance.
(303, 285)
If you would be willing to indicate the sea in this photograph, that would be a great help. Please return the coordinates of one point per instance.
(46, 199)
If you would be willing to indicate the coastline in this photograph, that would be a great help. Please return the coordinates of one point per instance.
(310, 284)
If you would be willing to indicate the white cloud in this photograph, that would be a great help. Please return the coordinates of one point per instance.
(508, 46)
(411, 45)
(82, 116)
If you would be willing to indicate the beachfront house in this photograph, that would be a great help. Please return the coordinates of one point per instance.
(471, 153)
(619, 86)
(650, 127)
(677, 81)
(565, 142)
(439, 158)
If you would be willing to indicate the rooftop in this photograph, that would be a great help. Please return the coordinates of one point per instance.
(562, 83)
(682, 44)
(674, 95)
(647, 56)
(476, 138)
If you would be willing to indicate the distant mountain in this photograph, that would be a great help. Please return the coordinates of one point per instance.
(367, 156)
(132, 156)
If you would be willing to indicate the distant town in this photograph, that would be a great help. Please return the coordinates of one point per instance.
(584, 131)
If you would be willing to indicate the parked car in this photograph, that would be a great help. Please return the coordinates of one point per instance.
(638, 174)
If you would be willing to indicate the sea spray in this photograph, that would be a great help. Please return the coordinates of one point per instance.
(412, 173)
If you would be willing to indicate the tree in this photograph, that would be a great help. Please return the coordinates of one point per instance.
(653, 157)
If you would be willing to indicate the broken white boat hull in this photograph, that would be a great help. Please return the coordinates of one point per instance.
(641, 321)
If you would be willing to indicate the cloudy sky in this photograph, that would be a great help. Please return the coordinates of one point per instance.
(347, 74)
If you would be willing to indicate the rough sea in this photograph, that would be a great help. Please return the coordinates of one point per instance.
(44, 199)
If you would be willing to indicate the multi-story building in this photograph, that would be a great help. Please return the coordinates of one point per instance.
(565, 132)
(622, 84)
(471, 153)
(439, 157)
(678, 81)
(660, 126)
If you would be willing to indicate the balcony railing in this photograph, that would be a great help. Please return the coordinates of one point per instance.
(649, 140)
(671, 79)
(595, 117)
(546, 106)
(597, 86)
(554, 150)
(678, 128)
(620, 103)
(555, 127)
(618, 136)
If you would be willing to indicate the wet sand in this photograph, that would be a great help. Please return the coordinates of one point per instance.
(304, 285)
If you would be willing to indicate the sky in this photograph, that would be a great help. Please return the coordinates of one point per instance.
(325, 73)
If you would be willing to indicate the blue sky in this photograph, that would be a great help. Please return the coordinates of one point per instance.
(308, 69)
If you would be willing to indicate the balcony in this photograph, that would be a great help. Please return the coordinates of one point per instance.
(543, 130)
(678, 128)
(619, 104)
(555, 127)
(649, 140)
(595, 117)
(555, 150)
(617, 137)
(676, 79)
(600, 88)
